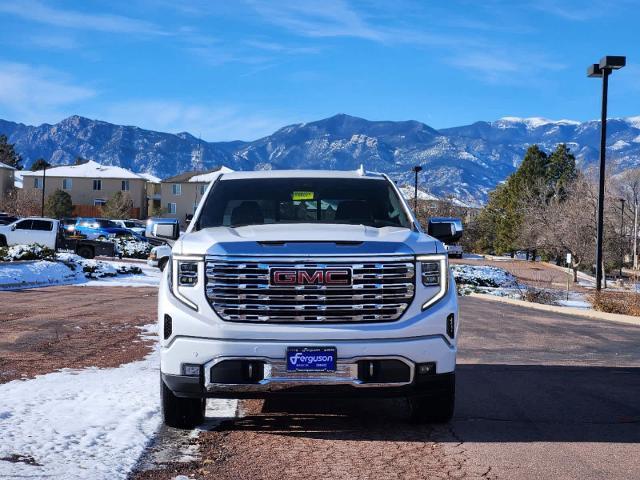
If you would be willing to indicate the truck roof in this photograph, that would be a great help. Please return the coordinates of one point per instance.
(302, 174)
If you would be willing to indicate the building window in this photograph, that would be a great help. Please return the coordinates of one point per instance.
(203, 188)
(176, 189)
(125, 185)
(37, 182)
(99, 202)
(67, 184)
(171, 208)
(97, 184)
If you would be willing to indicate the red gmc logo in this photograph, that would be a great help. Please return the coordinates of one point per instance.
(299, 276)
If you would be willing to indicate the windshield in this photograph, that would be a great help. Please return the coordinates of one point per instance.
(234, 203)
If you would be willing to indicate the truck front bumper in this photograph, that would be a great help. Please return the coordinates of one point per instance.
(411, 365)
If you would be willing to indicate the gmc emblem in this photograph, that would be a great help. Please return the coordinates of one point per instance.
(309, 276)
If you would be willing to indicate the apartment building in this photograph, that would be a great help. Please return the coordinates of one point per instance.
(6, 179)
(90, 185)
(182, 193)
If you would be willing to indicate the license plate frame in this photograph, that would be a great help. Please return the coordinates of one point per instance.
(311, 359)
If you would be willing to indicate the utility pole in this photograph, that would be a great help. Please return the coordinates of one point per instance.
(417, 169)
(621, 235)
(635, 234)
(44, 185)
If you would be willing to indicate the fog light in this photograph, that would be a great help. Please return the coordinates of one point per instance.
(191, 370)
(426, 368)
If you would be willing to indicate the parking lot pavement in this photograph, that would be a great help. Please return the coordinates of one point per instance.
(540, 395)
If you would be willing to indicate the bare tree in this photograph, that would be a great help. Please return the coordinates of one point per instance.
(22, 203)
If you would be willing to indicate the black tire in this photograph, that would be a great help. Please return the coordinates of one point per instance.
(434, 408)
(3, 241)
(162, 263)
(102, 238)
(86, 252)
(184, 413)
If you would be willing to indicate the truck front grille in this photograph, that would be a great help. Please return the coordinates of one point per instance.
(241, 291)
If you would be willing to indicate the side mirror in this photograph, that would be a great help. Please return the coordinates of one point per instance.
(167, 231)
(444, 231)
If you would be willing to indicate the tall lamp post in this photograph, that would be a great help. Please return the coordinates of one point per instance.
(417, 169)
(44, 184)
(603, 69)
(621, 234)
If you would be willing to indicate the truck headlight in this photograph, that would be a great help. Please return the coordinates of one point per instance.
(434, 273)
(183, 276)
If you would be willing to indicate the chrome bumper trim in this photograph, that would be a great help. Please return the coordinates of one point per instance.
(276, 376)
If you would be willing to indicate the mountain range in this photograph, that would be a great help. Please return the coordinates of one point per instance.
(462, 162)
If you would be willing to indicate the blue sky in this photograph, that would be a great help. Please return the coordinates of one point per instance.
(241, 69)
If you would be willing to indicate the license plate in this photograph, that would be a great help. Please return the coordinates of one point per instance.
(311, 359)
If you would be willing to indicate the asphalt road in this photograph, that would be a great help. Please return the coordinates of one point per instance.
(539, 395)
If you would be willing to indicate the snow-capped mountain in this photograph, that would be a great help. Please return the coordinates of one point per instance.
(462, 162)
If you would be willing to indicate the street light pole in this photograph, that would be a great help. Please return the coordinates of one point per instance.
(44, 184)
(621, 235)
(417, 169)
(603, 69)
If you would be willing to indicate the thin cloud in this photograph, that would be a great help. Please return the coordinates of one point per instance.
(212, 122)
(35, 95)
(36, 11)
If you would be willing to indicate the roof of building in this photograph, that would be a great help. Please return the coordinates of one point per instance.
(5, 166)
(198, 176)
(302, 174)
(149, 177)
(89, 169)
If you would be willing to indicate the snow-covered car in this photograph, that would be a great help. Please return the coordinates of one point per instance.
(306, 282)
(159, 256)
(133, 225)
(26, 231)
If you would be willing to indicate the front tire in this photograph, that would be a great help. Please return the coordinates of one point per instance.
(177, 412)
(437, 407)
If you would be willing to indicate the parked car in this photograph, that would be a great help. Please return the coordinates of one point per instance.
(159, 256)
(102, 229)
(134, 225)
(6, 219)
(43, 231)
(307, 282)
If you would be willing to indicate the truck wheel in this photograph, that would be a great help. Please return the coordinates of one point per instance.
(185, 413)
(3, 241)
(86, 252)
(162, 263)
(434, 408)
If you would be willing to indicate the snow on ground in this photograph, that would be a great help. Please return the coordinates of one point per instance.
(483, 276)
(38, 273)
(73, 269)
(78, 424)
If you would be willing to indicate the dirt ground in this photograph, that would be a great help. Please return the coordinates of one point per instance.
(47, 329)
(535, 274)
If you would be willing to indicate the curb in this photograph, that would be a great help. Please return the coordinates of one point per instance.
(592, 314)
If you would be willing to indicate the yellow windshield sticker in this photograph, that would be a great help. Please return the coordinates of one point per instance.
(301, 196)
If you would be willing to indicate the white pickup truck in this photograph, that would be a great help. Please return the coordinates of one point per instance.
(316, 283)
(25, 231)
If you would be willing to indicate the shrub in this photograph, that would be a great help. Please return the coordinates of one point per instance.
(26, 252)
(625, 303)
(129, 247)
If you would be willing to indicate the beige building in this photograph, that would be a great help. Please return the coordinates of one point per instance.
(181, 194)
(6, 179)
(90, 186)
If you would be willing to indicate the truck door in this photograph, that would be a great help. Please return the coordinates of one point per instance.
(21, 235)
(42, 232)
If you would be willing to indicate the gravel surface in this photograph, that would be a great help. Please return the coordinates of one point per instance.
(47, 329)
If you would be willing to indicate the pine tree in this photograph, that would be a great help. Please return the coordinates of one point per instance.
(40, 164)
(58, 205)
(8, 154)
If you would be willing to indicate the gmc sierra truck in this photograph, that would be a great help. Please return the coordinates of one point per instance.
(316, 283)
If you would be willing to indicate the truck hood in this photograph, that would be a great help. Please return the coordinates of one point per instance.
(307, 240)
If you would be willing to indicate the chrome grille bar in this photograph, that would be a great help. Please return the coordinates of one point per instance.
(239, 291)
